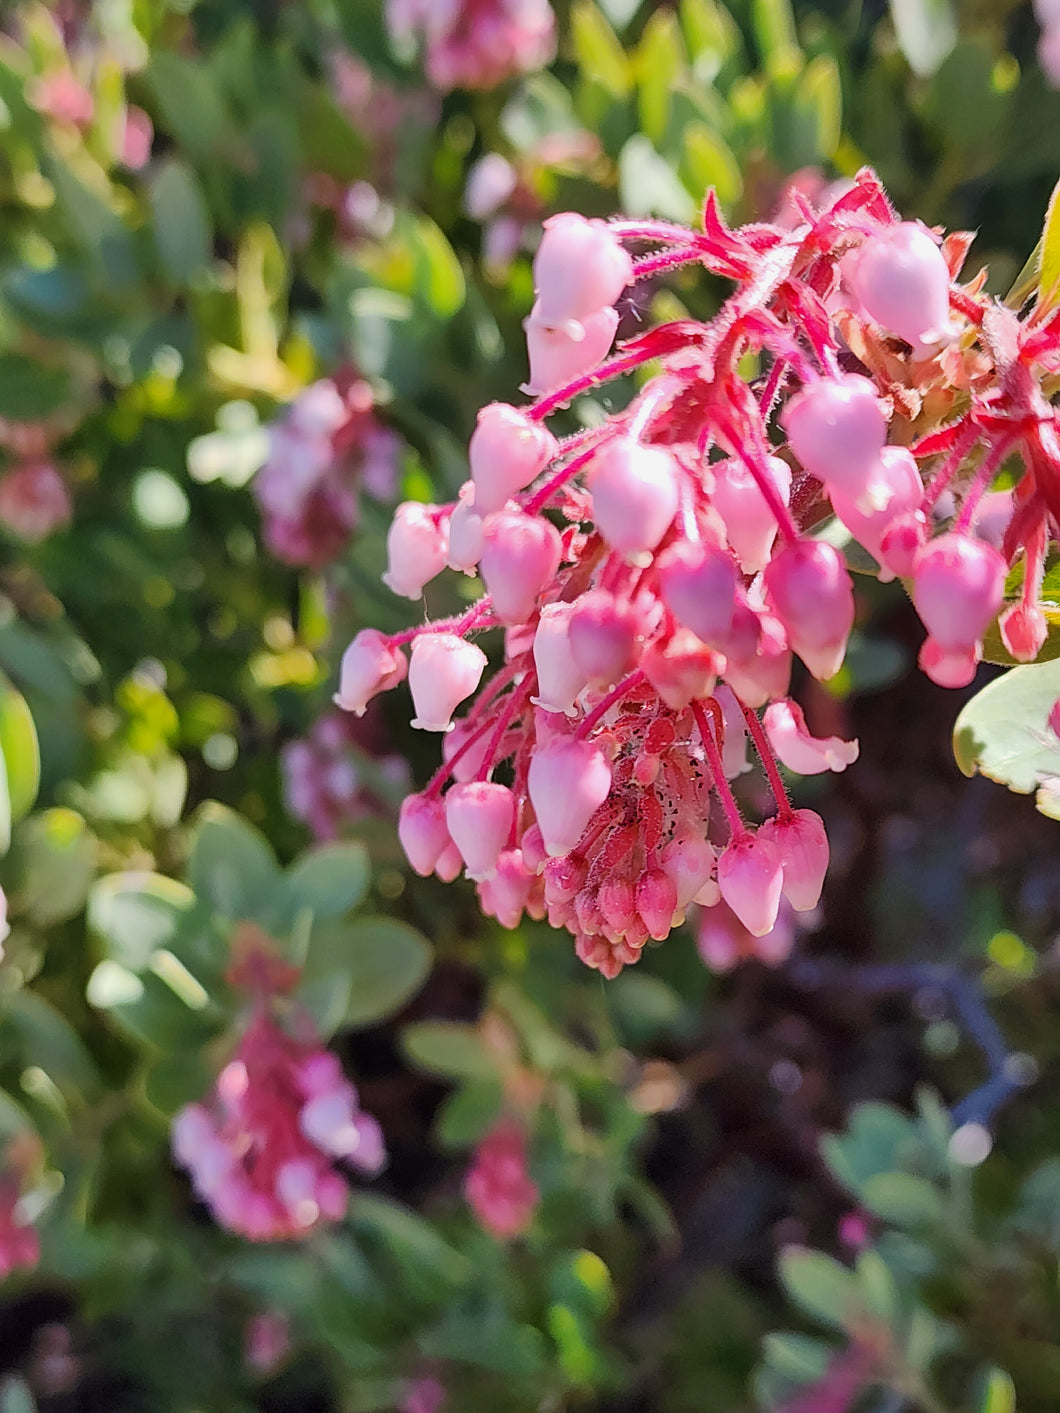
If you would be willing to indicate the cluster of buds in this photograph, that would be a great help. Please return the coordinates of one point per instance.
(655, 575)
(323, 782)
(498, 1188)
(262, 1151)
(476, 43)
(326, 447)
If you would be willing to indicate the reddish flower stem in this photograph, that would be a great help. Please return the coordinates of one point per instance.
(635, 678)
(517, 698)
(963, 442)
(442, 774)
(737, 828)
(544, 494)
(785, 523)
(765, 754)
(986, 473)
(653, 230)
(610, 368)
(666, 260)
(460, 624)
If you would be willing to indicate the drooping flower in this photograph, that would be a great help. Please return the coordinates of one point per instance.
(498, 1187)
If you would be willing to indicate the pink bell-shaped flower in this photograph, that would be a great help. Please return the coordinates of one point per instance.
(958, 586)
(449, 864)
(568, 781)
(898, 492)
(423, 832)
(635, 496)
(902, 281)
(751, 877)
(559, 678)
(467, 534)
(561, 353)
(443, 671)
(802, 844)
(688, 861)
(750, 525)
(785, 725)
(949, 667)
(506, 894)
(579, 268)
(508, 450)
(701, 585)
(604, 636)
(902, 541)
(370, 665)
(681, 668)
(810, 590)
(837, 430)
(480, 816)
(765, 673)
(520, 556)
(1024, 630)
(416, 549)
(657, 902)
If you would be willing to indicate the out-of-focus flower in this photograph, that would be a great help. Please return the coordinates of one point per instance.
(498, 1187)
(322, 783)
(476, 43)
(34, 501)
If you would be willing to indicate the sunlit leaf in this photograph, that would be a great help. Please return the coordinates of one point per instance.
(1004, 733)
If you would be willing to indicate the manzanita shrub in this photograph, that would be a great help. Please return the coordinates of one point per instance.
(514, 517)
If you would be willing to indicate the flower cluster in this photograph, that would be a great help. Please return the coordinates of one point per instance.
(262, 1152)
(656, 574)
(34, 500)
(476, 43)
(498, 1187)
(323, 784)
(325, 448)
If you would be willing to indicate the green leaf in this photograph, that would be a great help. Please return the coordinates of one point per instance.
(135, 914)
(412, 1242)
(181, 222)
(659, 60)
(357, 974)
(1049, 257)
(58, 863)
(29, 391)
(774, 27)
(190, 104)
(175, 1080)
(448, 1048)
(817, 111)
(329, 879)
(648, 185)
(1003, 732)
(45, 1039)
(708, 161)
(232, 866)
(19, 747)
(712, 35)
(820, 1286)
(878, 1288)
(903, 1199)
(926, 32)
(798, 1358)
(469, 1112)
(598, 50)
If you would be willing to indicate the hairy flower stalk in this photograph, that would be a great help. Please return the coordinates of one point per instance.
(657, 575)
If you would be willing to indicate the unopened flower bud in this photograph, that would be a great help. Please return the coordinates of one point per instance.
(579, 268)
(750, 525)
(559, 678)
(958, 586)
(902, 281)
(812, 595)
(635, 496)
(480, 816)
(423, 832)
(520, 556)
(802, 844)
(567, 781)
(467, 533)
(604, 636)
(561, 353)
(508, 450)
(837, 431)
(701, 586)
(751, 877)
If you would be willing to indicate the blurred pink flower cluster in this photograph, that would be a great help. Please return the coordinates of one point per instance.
(657, 574)
(476, 43)
(324, 450)
(498, 1186)
(263, 1149)
(19, 1243)
(322, 782)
